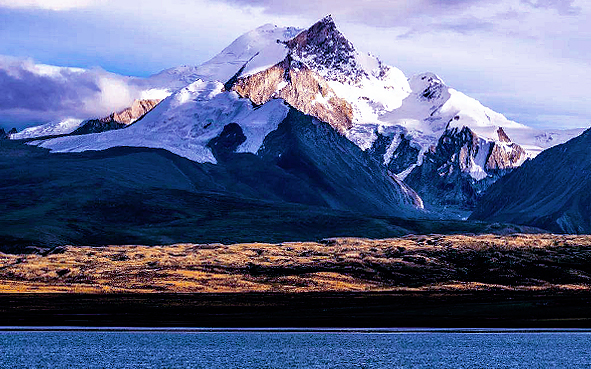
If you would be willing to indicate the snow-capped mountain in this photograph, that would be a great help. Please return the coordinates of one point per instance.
(320, 73)
(418, 127)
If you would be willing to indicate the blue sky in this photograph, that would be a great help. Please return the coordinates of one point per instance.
(527, 59)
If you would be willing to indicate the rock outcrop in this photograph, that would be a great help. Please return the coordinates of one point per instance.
(118, 120)
(300, 85)
(224, 145)
(462, 166)
(323, 47)
(136, 111)
(504, 154)
(404, 156)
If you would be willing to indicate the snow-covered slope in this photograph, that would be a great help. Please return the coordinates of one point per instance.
(432, 107)
(248, 47)
(49, 129)
(184, 124)
(195, 114)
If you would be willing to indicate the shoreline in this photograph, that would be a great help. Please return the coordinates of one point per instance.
(312, 330)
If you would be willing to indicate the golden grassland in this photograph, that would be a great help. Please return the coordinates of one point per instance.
(412, 263)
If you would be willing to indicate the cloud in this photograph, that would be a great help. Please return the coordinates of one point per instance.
(41, 93)
(382, 13)
(564, 7)
(48, 4)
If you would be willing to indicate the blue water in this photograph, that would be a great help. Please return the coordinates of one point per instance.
(276, 349)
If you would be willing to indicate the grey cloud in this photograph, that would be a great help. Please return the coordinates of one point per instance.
(39, 93)
(421, 16)
(466, 26)
(24, 89)
(462, 26)
(383, 13)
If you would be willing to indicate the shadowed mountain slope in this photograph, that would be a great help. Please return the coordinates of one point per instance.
(149, 196)
(552, 191)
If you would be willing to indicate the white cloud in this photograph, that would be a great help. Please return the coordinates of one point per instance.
(48, 4)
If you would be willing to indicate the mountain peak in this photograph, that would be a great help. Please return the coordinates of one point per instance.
(323, 34)
(324, 48)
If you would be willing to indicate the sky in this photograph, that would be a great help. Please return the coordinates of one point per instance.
(527, 59)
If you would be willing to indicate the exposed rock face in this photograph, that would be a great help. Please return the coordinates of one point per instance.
(118, 120)
(138, 109)
(379, 147)
(323, 47)
(97, 125)
(430, 87)
(504, 156)
(404, 156)
(462, 166)
(502, 135)
(227, 142)
(302, 88)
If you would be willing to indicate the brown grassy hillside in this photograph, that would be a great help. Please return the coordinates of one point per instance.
(524, 262)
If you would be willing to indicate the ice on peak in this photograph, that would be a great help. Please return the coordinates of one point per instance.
(248, 48)
(421, 82)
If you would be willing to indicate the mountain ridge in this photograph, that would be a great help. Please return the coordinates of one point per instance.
(558, 202)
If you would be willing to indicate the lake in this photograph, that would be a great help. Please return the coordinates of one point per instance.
(201, 348)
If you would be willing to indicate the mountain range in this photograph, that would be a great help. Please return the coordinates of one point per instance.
(292, 116)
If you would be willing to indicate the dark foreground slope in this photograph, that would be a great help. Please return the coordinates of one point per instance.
(552, 191)
(148, 196)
